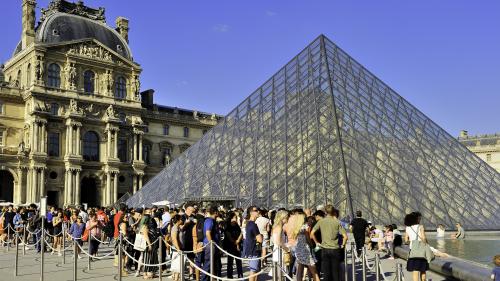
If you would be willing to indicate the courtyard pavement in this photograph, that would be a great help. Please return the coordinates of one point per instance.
(103, 270)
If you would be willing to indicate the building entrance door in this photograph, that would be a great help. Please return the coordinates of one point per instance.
(53, 198)
(89, 192)
(6, 186)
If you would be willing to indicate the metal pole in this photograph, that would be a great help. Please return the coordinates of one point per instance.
(120, 262)
(212, 256)
(275, 271)
(280, 261)
(64, 243)
(89, 260)
(346, 273)
(398, 272)
(160, 248)
(42, 252)
(363, 262)
(16, 261)
(8, 236)
(353, 261)
(377, 267)
(182, 264)
(75, 260)
(24, 240)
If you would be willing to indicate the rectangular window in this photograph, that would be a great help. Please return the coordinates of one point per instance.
(122, 150)
(186, 132)
(166, 130)
(53, 144)
(146, 128)
(488, 157)
(1, 137)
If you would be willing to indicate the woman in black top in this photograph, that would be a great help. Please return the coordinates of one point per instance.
(231, 243)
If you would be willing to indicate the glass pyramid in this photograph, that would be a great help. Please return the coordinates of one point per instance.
(324, 130)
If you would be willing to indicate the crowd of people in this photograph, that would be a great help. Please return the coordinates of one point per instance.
(196, 238)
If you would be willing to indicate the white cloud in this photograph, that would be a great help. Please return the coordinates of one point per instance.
(221, 28)
(182, 83)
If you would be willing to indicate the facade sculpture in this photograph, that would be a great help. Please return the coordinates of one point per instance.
(75, 146)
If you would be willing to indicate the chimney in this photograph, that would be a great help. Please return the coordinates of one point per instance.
(147, 98)
(28, 31)
(122, 27)
(464, 134)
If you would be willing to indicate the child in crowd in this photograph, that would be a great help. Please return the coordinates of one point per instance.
(389, 240)
(495, 274)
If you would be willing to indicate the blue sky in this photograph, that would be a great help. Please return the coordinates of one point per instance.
(443, 56)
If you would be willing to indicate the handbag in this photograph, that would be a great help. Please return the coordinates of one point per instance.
(140, 243)
(85, 236)
(420, 249)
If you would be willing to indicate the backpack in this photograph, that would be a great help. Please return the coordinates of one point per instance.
(109, 228)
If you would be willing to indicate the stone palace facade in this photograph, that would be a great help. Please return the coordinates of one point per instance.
(74, 124)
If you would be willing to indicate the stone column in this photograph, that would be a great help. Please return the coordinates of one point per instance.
(70, 139)
(78, 142)
(116, 144)
(134, 184)
(107, 194)
(34, 191)
(35, 136)
(140, 181)
(115, 188)
(77, 188)
(19, 189)
(109, 144)
(135, 147)
(44, 138)
(28, 186)
(70, 186)
(140, 147)
(42, 182)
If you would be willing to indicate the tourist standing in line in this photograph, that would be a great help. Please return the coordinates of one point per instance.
(358, 228)
(76, 232)
(300, 232)
(212, 235)
(177, 222)
(278, 237)
(460, 234)
(253, 243)
(150, 231)
(495, 273)
(57, 223)
(94, 228)
(263, 223)
(331, 256)
(389, 240)
(415, 231)
(187, 234)
(232, 240)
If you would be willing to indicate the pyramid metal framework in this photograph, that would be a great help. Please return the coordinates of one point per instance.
(325, 130)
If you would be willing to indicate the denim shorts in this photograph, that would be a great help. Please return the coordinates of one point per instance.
(254, 265)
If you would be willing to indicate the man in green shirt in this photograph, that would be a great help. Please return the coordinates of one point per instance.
(331, 254)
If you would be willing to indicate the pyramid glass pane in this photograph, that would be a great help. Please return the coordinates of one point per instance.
(324, 130)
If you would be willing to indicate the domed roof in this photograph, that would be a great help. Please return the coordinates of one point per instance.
(62, 27)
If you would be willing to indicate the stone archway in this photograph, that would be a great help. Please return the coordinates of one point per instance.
(6, 186)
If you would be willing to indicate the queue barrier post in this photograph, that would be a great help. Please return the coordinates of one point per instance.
(182, 277)
(353, 261)
(75, 260)
(275, 271)
(89, 260)
(120, 257)
(363, 262)
(346, 272)
(24, 240)
(212, 255)
(16, 260)
(42, 249)
(63, 244)
(377, 267)
(160, 254)
(8, 237)
(399, 271)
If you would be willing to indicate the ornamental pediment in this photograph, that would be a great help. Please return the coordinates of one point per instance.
(94, 50)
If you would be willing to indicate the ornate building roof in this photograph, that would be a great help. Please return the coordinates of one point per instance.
(64, 21)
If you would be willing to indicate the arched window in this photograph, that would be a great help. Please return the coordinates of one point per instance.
(19, 78)
(91, 146)
(28, 75)
(186, 132)
(54, 75)
(120, 88)
(88, 82)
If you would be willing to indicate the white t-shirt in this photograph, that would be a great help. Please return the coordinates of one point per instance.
(440, 233)
(413, 233)
(262, 223)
